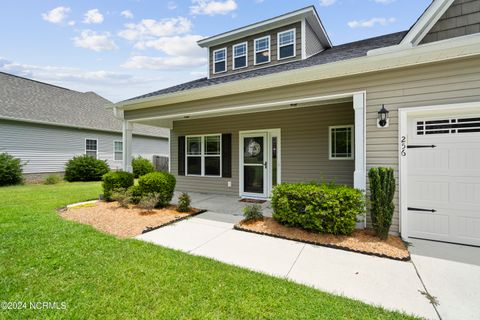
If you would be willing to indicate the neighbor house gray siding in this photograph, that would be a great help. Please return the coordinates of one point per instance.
(47, 148)
(304, 145)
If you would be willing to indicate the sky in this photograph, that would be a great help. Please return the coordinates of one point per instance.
(125, 48)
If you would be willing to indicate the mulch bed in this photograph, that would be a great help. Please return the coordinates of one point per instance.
(109, 217)
(361, 241)
(252, 200)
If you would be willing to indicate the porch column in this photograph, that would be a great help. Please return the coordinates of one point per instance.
(127, 146)
(359, 178)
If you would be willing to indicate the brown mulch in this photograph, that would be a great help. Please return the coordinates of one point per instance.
(362, 241)
(109, 217)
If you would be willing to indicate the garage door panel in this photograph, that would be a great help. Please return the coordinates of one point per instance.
(467, 194)
(427, 223)
(469, 227)
(425, 190)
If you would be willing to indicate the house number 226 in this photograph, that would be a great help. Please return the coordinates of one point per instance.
(403, 143)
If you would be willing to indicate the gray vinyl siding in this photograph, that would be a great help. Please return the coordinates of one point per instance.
(461, 19)
(433, 84)
(47, 148)
(304, 145)
(312, 43)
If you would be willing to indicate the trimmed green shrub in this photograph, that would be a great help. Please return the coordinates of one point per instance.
(136, 194)
(318, 207)
(122, 196)
(184, 202)
(85, 168)
(52, 179)
(11, 170)
(141, 167)
(252, 212)
(161, 183)
(382, 191)
(116, 180)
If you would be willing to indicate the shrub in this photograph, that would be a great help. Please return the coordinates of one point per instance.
(149, 201)
(321, 208)
(85, 168)
(116, 180)
(11, 170)
(382, 190)
(184, 202)
(141, 167)
(252, 212)
(52, 179)
(122, 196)
(136, 194)
(161, 183)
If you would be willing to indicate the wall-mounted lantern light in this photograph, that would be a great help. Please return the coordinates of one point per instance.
(382, 121)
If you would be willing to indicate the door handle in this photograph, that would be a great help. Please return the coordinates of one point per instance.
(265, 164)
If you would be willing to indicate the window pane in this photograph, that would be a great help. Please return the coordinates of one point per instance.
(341, 142)
(194, 145)
(274, 162)
(240, 62)
(219, 55)
(253, 150)
(220, 66)
(286, 38)
(194, 165)
(212, 166)
(91, 154)
(118, 155)
(253, 179)
(262, 57)
(286, 51)
(212, 145)
(239, 50)
(91, 144)
(118, 146)
(262, 44)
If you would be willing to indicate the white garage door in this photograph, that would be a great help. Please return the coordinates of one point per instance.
(443, 168)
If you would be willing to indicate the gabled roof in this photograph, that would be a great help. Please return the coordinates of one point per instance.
(33, 101)
(309, 13)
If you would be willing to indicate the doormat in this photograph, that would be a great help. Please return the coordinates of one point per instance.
(252, 200)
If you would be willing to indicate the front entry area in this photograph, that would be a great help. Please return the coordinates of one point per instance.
(260, 162)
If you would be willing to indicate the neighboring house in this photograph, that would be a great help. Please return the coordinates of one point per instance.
(282, 104)
(45, 126)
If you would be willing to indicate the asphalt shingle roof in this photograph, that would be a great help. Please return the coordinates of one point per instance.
(336, 53)
(30, 100)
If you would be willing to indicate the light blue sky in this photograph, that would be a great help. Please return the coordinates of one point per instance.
(121, 49)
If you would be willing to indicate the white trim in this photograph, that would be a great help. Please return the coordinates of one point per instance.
(255, 50)
(246, 55)
(202, 155)
(127, 128)
(96, 151)
(224, 60)
(114, 141)
(304, 37)
(403, 115)
(294, 44)
(352, 142)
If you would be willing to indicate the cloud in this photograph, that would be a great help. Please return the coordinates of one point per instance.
(92, 40)
(370, 22)
(326, 3)
(93, 16)
(175, 46)
(150, 28)
(212, 7)
(71, 23)
(127, 14)
(57, 15)
(171, 5)
(163, 63)
(384, 1)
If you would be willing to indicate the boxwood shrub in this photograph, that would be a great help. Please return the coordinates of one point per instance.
(85, 168)
(116, 180)
(141, 167)
(11, 170)
(161, 183)
(318, 207)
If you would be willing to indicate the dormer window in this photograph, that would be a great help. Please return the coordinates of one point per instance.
(240, 56)
(220, 60)
(286, 44)
(262, 50)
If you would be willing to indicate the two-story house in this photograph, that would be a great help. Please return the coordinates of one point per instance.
(282, 104)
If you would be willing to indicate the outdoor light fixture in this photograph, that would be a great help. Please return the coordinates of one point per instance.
(382, 117)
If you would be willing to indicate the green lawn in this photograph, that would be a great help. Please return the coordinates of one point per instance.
(44, 258)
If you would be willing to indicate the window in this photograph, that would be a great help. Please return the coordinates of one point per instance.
(117, 150)
(262, 50)
(220, 60)
(240, 56)
(286, 44)
(341, 143)
(448, 126)
(203, 155)
(91, 147)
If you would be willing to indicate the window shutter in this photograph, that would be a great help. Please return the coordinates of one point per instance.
(227, 155)
(181, 155)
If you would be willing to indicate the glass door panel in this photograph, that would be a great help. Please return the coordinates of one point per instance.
(254, 164)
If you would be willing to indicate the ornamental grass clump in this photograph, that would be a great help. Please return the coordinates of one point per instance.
(382, 191)
(252, 212)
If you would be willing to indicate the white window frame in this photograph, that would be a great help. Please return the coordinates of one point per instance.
(294, 44)
(114, 151)
(203, 155)
(96, 155)
(255, 50)
(352, 141)
(245, 55)
(224, 60)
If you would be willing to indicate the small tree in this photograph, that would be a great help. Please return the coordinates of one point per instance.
(382, 191)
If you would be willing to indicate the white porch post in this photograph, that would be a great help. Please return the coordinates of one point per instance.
(127, 146)
(359, 175)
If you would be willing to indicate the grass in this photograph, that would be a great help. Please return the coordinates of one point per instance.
(44, 258)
